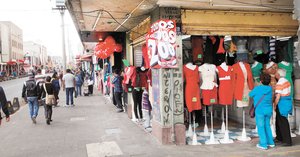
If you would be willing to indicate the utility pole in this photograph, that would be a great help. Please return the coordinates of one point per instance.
(60, 6)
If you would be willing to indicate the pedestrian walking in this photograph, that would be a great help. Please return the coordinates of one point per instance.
(56, 85)
(283, 107)
(118, 90)
(30, 96)
(47, 93)
(262, 96)
(3, 105)
(79, 82)
(69, 86)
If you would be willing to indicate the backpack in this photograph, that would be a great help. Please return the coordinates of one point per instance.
(31, 86)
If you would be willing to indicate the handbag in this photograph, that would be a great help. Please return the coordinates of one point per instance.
(252, 109)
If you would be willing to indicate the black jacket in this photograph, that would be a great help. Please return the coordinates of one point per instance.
(3, 101)
(30, 88)
(50, 90)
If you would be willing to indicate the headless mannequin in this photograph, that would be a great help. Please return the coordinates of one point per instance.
(191, 66)
(254, 64)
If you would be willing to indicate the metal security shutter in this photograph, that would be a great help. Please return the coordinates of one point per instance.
(138, 56)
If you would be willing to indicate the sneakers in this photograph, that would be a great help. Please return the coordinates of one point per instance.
(33, 120)
(260, 147)
(272, 145)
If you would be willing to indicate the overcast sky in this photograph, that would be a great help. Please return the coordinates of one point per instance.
(40, 23)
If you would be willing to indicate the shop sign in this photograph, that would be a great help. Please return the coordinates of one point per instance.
(161, 44)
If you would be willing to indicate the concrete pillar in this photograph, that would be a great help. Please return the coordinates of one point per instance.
(167, 91)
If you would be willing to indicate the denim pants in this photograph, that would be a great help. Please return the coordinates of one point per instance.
(69, 95)
(264, 129)
(78, 90)
(33, 106)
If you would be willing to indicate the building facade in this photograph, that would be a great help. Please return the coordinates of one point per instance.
(36, 53)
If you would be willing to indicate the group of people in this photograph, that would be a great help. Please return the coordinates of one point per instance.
(44, 90)
(41, 90)
(267, 100)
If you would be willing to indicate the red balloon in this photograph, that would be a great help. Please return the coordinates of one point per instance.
(110, 49)
(110, 40)
(118, 48)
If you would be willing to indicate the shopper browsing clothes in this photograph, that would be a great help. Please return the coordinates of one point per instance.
(118, 90)
(283, 107)
(48, 92)
(262, 96)
(79, 82)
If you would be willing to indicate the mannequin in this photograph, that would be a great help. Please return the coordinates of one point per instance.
(192, 91)
(256, 71)
(209, 92)
(243, 83)
(225, 96)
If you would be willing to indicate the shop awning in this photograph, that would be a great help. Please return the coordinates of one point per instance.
(20, 61)
(86, 56)
(11, 62)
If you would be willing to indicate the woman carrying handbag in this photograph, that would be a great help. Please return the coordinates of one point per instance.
(262, 96)
(47, 92)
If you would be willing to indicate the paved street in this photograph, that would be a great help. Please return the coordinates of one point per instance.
(92, 129)
(13, 88)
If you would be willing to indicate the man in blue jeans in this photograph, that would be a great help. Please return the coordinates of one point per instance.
(69, 85)
(30, 96)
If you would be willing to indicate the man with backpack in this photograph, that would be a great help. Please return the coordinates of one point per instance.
(30, 95)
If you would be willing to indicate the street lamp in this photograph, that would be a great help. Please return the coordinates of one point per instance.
(60, 5)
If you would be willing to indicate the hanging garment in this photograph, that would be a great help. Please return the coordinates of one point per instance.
(192, 91)
(221, 49)
(211, 47)
(233, 48)
(197, 46)
(242, 52)
(146, 58)
(272, 54)
(258, 45)
(243, 83)
(256, 71)
(289, 69)
(284, 50)
(208, 86)
(225, 85)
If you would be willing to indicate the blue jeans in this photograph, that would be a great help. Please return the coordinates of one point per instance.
(264, 129)
(33, 106)
(69, 95)
(78, 90)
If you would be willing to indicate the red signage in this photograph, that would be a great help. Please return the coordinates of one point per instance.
(161, 44)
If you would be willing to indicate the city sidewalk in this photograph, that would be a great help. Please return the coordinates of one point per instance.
(93, 129)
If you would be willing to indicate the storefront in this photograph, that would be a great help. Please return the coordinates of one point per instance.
(200, 35)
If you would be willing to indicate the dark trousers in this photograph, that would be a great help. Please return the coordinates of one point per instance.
(283, 129)
(91, 88)
(137, 100)
(48, 111)
(118, 99)
(69, 95)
